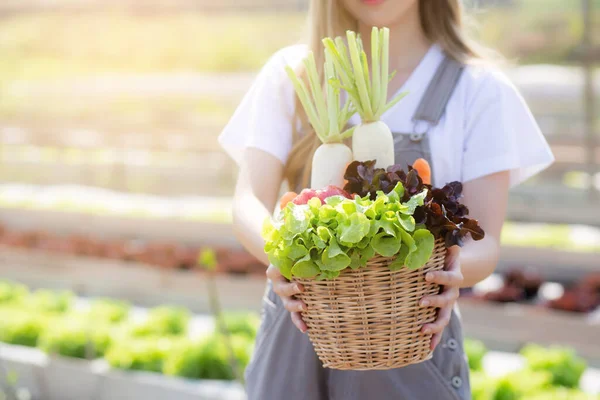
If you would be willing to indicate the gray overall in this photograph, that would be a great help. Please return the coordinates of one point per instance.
(284, 365)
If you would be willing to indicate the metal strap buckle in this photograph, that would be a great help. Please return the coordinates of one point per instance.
(420, 129)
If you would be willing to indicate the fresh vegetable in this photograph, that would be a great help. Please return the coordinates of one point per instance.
(108, 310)
(322, 238)
(141, 354)
(561, 363)
(49, 301)
(18, 326)
(475, 351)
(207, 358)
(482, 386)
(521, 384)
(328, 121)
(441, 213)
(372, 139)
(243, 324)
(321, 194)
(424, 170)
(561, 393)
(161, 321)
(75, 338)
(11, 292)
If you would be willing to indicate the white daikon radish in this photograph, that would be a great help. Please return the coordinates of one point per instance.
(372, 139)
(328, 120)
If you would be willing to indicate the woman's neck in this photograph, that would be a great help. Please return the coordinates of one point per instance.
(408, 43)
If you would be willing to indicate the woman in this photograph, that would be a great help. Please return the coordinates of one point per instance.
(471, 124)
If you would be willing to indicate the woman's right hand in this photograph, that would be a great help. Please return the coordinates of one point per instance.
(286, 290)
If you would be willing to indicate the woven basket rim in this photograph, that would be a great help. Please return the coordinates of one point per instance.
(379, 258)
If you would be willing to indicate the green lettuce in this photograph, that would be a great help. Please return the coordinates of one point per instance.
(321, 239)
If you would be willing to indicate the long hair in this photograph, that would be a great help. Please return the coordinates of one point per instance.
(443, 23)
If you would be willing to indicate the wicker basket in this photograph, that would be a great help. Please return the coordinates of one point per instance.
(370, 318)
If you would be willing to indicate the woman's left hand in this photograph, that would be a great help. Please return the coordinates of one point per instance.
(451, 279)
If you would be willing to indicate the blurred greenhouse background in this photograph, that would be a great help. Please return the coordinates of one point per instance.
(111, 181)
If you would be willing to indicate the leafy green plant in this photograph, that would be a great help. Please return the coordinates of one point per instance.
(320, 239)
(140, 354)
(475, 351)
(20, 327)
(482, 386)
(12, 292)
(109, 310)
(561, 393)
(208, 358)
(441, 211)
(72, 337)
(164, 320)
(562, 363)
(521, 384)
(44, 300)
(245, 324)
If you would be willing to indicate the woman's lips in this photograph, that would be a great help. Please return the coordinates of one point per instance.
(372, 2)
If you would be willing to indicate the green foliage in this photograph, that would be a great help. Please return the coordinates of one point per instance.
(20, 327)
(244, 324)
(561, 393)
(12, 292)
(562, 363)
(482, 386)
(71, 337)
(140, 354)
(321, 239)
(208, 259)
(475, 351)
(208, 358)
(109, 310)
(44, 300)
(164, 320)
(520, 384)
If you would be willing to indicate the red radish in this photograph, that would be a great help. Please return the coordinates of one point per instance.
(331, 190)
(304, 196)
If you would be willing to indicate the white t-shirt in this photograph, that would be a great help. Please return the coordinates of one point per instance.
(486, 127)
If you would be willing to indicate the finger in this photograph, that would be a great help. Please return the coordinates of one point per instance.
(297, 320)
(293, 305)
(274, 274)
(445, 278)
(435, 340)
(452, 261)
(442, 320)
(446, 299)
(287, 289)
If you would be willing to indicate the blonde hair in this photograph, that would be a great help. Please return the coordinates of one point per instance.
(442, 22)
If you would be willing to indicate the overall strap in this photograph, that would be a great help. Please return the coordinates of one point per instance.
(436, 96)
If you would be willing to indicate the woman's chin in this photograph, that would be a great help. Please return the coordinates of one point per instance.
(380, 12)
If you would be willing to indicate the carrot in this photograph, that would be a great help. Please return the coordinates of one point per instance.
(424, 170)
(289, 196)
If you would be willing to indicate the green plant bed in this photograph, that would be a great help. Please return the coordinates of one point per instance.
(75, 338)
(208, 358)
(20, 327)
(560, 237)
(140, 354)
